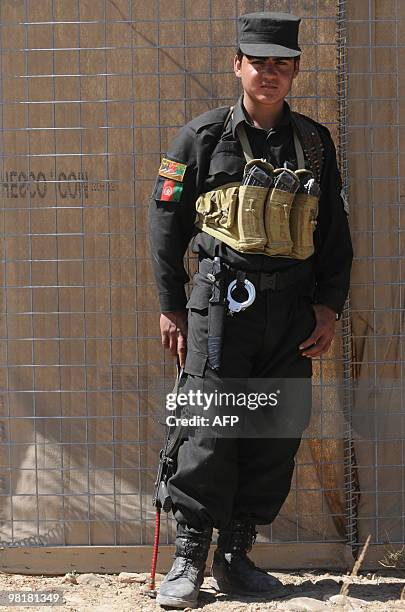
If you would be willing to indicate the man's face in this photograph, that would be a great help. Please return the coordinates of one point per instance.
(266, 80)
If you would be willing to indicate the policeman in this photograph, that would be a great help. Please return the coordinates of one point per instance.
(282, 244)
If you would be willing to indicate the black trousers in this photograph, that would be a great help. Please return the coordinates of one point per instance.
(219, 478)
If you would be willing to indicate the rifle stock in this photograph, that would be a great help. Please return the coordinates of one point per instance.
(167, 460)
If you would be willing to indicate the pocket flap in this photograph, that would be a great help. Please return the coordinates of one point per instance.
(199, 297)
(195, 363)
(227, 163)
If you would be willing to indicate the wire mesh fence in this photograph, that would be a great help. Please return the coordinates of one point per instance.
(375, 122)
(92, 91)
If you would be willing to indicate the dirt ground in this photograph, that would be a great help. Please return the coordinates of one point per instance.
(308, 591)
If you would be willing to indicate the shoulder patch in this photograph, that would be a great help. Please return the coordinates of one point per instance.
(167, 190)
(172, 170)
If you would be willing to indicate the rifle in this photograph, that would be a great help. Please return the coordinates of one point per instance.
(161, 499)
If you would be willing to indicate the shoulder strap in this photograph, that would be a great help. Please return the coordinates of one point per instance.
(311, 143)
(299, 152)
(244, 141)
(228, 116)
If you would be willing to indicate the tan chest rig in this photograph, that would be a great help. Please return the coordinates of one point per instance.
(278, 221)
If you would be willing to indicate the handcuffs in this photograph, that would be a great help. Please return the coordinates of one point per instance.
(235, 305)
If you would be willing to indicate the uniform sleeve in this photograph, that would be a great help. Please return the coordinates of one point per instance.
(171, 219)
(333, 247)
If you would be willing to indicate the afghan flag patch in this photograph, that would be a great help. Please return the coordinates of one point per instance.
(167, 190)
(172, 170)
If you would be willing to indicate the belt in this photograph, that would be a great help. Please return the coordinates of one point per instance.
(263, 281)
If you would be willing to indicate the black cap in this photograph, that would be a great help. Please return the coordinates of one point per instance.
(269, 34)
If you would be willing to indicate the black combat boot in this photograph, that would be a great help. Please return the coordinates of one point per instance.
(233, 571)
(182, 584)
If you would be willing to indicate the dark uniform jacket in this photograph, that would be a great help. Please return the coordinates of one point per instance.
(213, 157)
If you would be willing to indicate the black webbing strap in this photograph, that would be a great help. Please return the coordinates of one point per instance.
(311, 143)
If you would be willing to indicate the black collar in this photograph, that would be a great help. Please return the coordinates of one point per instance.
(240, 115)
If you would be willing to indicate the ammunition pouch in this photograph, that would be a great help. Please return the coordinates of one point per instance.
(302, 225)
(253, 219)
(250, 217)
(277, 221)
